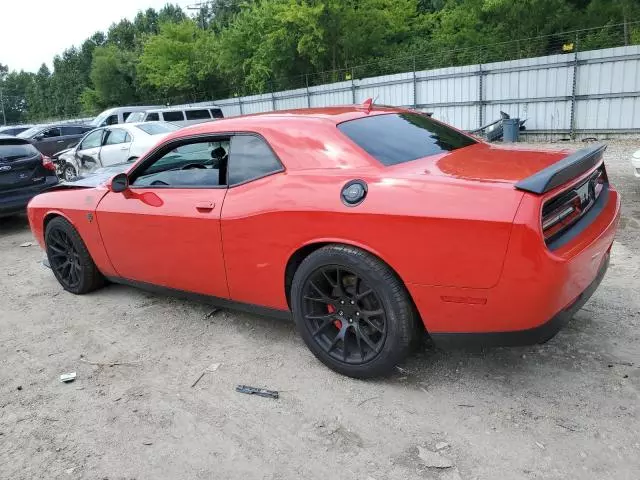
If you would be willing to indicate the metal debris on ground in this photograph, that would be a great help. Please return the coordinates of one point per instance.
(212, 368)
(257, 391)
(212, 313)
(26, 244)
(68, 377)
(441, 446)
(147, 443)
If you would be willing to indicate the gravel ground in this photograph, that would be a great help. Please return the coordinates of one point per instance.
(564, 410)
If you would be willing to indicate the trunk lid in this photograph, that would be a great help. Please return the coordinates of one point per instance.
(484, 163)
(20, 164)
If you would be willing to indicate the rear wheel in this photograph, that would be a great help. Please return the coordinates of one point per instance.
(69, 258)
(352, 311)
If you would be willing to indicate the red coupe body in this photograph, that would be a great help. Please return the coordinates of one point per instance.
(463, 235)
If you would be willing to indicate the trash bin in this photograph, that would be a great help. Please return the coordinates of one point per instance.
(511, 129)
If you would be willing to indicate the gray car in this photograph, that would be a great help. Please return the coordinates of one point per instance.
(50, 139)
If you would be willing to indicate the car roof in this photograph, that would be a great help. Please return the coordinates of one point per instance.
(330, 115)
(12, 138)
(179, 108)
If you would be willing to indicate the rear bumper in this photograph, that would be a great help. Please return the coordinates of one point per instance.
(16, 201)
(531, 336)
(538, 291)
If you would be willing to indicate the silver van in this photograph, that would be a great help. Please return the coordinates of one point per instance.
(181, 116)
(116, 115)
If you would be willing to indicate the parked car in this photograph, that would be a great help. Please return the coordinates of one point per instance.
(366, 224)
(24, 172)
(635, 163)
(110, 145)
(50, 139)
(177, 115)
(117, 115)
(13, 129)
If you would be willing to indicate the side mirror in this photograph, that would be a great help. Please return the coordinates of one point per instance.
(119, 183)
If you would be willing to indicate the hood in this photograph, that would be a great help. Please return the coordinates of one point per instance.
(483, 162)
(98, 177)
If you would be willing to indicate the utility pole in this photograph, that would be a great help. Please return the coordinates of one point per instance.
(199, 6)
(4, 117)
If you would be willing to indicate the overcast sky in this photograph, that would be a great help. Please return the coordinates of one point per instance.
(33, 31)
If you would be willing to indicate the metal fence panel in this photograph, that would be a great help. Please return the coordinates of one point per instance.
(603, 96)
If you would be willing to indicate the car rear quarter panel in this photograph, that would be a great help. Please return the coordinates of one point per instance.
(430, 231)
(78, 207)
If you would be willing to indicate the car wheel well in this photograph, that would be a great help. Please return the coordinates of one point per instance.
(48, 218)
(299, 255)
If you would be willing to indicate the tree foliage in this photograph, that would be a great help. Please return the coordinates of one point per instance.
(236, 47)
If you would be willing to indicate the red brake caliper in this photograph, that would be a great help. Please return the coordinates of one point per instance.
(336, 323)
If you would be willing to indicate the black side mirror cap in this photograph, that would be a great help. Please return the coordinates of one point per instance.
(119, 183)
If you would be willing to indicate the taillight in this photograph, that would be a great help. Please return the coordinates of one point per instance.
(561, 212)
(48, 163)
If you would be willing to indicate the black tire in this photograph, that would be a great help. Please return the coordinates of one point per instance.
(79, 274)
(385, 348)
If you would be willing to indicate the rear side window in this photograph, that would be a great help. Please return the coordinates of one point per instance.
(10, 151)
(73, 130)
(197, 114)
(152, 117)
(402, 137)
(117, 136)
(216, 113)
(251, 158)
(173, 116)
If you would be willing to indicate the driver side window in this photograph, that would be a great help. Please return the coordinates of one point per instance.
(197, 164)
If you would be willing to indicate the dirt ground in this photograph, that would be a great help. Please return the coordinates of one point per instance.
(564, 410)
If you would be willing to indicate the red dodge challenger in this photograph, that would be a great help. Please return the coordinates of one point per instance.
(366, 224)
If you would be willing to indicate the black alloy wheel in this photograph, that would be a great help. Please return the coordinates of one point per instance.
(353, 311)
(344, 314)
(69, 258)
(64, 259)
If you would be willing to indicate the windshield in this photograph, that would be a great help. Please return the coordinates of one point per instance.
(100, 119)
(402, 137)
(136, 117)
(158, 128)
(30, 132)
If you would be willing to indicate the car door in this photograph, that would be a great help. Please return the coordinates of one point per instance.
(87, 154)
(49, 141)
(165, 228)
(115, 146)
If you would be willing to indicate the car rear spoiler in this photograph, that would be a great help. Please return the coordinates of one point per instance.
(561, 172)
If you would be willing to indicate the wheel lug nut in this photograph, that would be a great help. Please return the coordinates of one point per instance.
(340, 313)
(357, 314)
(352, 302)
(351, 320)
(341, 302)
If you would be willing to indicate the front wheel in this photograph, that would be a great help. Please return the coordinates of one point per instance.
(352, 311)
(69, 258)
(69, 173)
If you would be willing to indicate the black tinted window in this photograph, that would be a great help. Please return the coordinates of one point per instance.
(250, 158)
(10, 151)
(402, 137)
(174, 116)
(152, 117)
(73, 130)
(51, 132)
(197, 114)
(216, 113)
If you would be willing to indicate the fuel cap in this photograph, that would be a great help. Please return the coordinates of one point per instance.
(354, 192)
